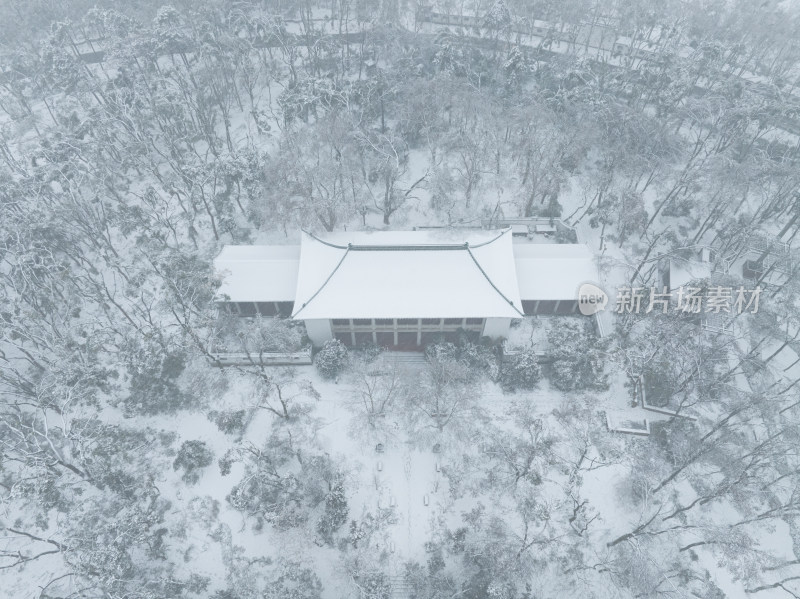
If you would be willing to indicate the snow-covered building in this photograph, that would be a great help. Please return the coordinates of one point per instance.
(681, 271)
(404, 289)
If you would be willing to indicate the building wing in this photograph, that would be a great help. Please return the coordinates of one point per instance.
(552, 272)
(258, 273)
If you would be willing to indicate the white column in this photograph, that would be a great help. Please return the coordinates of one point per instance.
(319, 330)
(496, 328)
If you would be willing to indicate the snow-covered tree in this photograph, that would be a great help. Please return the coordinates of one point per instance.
(331, 359)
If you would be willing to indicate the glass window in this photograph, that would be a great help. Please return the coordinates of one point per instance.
(546, 307)
(247, 309)
(363, 338)
(384, 321)
(452, 338)
(341, 321)
(431, 320)
(285, 308)
(428, 338)
(229, 307)
(385, 339)
(267, 309)
(407, 340)
(407, 321)
(474, 320)
(362, 321)
(567, 307)
(452, 321)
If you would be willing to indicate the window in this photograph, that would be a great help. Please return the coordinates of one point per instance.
(546, 307)
(363, 338)
(452, 338)
(285, 308)
(247, 309)
(472, 335)
(344, 338)
(453, 321)
(474, 320)
(431, 321)
(528, 306)
(229, 307)
(567, 307)
(362, 321)
(384, 322)
(342, 321)
(267, 308)
(407, 321)
(407, 339)
(384, 339)
(428, 338)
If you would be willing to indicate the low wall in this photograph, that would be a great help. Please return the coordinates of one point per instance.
(300, 358)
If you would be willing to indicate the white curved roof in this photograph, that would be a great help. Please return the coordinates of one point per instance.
(407, 274)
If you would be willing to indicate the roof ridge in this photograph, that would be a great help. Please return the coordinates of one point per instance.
(321, 287)
(503, 232)
(362, 247)
(354, 247)
(322, 241)
(485, 276)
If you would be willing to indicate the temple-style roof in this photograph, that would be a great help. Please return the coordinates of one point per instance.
(258, 273)
(548, 271)
(407, 274)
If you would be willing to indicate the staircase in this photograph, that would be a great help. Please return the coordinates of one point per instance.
(406, 358)
(400, 587)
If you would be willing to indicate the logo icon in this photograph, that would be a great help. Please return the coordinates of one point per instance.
(591, 299)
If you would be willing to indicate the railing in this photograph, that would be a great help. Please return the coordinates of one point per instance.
(531, 222)
(762, 243)
(718, 323)
(622, 423)
(410, 327)
(642, 397)
(241, 358)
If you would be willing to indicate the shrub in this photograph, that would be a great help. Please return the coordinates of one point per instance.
(278, 487)
(192, 457)
(331, 359)
(577, 361)
(521, 371)
(154, 376)
(369, 353)
(375, 584)
(442, 350)
(231, 422)
(277, 335)
(260, 334)
(335, 514)
(479, 358)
